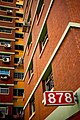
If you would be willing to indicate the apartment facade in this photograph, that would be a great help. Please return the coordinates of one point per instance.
(51, 57)
(11, 50)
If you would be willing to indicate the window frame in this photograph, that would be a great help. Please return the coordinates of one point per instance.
(18, 75)
(3, 88)
(32, 106)
(18, 92)
(4, 30)
(6, 109)
(7, 1)
(30, 71)
(43, 39)
(4, 72)
(4, 19)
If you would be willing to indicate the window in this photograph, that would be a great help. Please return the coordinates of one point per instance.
(16, 60)
(4, 56)
(30, 70)
(17, 110)
(4, 72)
(18, 75)
(18, 92)
(3, 42)
(19, 15)
(43, 38)
(4, 90)
(5, 19)
(4, 110)
(19, 6)
(18, 35)
(4, 8)
(7, 30)
(32, 105)
(7, 0)
(19, 47)
(48, 82)
(28, 3)
(19, 24)
(39, 7)
(29, 43)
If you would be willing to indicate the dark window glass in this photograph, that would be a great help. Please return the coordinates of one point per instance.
(19, 6)
(18, 92)
(19, 15)
(16, 60)
(4, 8)
(7, 30)
(17, 110)
(43, 37)
(18, 35)
(19, 24)
(7, 0)
(6, 19)
(39, 7)
(19, 75)
(19, 47)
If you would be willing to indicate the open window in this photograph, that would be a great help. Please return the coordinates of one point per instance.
(47, 80)
(41, 3)
(43, 38)
(29, 43)
(30, 70)
(27, 23)
(32, 105)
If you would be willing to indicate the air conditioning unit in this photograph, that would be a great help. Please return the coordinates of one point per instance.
(7, 45)
(4, 77)
(9, 11)
(6, 59)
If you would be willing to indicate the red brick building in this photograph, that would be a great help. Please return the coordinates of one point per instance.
(51, 56)
(11, 50)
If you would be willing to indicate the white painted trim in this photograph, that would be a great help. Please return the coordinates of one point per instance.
(9, 7)
(31, 27)
(7, 52)
(7, 67)
(7, 16)
(38, 38)
(64, 112)
(7, 27)
(6, 103)
(7, 39)
(71, 24)
(6, 84)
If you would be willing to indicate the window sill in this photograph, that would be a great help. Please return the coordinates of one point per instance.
(4, 93)
(30, 78)
(5, 21)
(43, 48)
(40, 14)
(31, 115)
